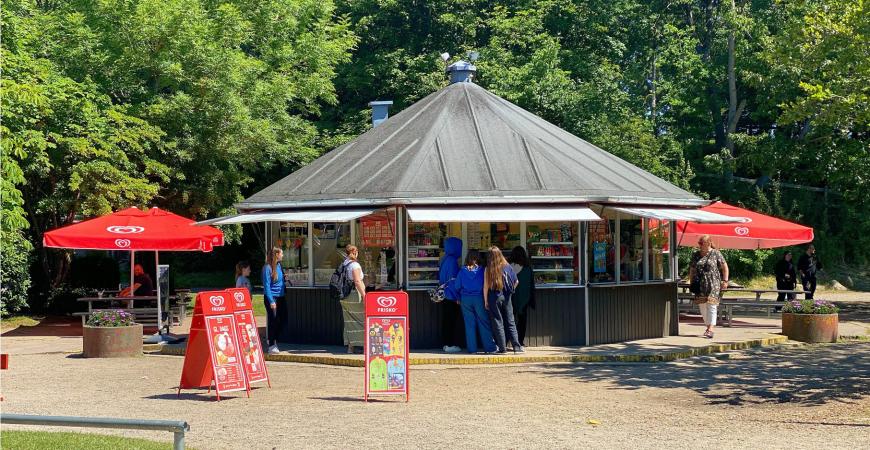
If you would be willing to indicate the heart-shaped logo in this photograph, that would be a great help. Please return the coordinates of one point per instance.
(125, 229)
(239, 297)
(216, 300)
(387, 302)
(741, 231)
(122, 243)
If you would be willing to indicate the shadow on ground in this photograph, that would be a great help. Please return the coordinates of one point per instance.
(50, 326)
(811, 375)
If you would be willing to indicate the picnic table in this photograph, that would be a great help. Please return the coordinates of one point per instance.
(728, 303)
(145, 315)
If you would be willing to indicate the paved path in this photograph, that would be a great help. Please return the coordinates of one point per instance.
(792, 397)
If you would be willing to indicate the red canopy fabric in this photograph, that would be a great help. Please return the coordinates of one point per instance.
(762, 231)
(134, 229)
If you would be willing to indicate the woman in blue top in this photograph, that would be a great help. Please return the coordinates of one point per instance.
(273, 291)
(500, 282)
(469, 288)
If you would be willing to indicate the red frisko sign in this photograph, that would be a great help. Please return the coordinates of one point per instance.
(251, 351)
(212, 354)
(387, 348)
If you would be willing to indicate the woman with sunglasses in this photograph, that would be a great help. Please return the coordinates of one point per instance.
(708, 275)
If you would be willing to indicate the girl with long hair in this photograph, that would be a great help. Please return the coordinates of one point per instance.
(499, 284)
(243, 271)
(273, 291)
(468, 285)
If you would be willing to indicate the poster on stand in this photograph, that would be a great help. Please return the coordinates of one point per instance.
(386, 349)
(229, 375)
(250, 349)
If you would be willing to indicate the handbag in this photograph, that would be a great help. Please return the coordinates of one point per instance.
(437, 294)
(695, 285)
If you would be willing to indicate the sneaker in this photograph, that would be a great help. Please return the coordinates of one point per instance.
(501, 350)
(273, 350)
(519, 349)
(452, 349)
(445, 348)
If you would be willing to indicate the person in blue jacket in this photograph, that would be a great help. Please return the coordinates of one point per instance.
(273, 292)
(469, 287)
(450, 325)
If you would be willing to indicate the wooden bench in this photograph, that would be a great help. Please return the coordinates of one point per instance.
(727, 306)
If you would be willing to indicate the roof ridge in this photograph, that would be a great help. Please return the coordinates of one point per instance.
(480, 138)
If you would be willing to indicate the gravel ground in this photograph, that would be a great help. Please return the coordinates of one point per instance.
(802, 397)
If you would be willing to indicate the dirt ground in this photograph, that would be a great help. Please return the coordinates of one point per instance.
(802, 397)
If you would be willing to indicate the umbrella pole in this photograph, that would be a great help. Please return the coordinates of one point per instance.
(157, 276)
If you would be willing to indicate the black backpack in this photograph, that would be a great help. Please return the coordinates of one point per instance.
(339, 284)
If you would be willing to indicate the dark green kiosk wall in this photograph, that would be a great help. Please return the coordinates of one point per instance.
(617, 313)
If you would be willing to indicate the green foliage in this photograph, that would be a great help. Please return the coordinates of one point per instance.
(15, 259)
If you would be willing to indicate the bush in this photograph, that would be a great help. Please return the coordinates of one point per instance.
(14, 273)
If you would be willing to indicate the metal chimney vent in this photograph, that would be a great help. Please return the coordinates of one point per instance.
(380, 111)
(461, 72)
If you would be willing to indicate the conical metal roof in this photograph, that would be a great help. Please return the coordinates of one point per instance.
(464, 144)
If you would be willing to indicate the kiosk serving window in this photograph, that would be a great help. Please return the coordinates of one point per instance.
(376, 239)
(552, 248)
(602, 256)
(425, 250)
(659, 249)
(504, 235)
(328, 242)
(631, 249)
(293, 240)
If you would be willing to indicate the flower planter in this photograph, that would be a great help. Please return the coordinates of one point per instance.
(810, 327)
(112, 342)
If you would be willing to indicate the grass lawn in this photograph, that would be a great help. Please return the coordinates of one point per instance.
(259, 307)
(11, 323)
(39, 440)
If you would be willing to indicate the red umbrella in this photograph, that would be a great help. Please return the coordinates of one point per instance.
(133, 229)
(761, 231)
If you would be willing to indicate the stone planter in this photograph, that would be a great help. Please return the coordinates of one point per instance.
(112, 342)
(810, 327)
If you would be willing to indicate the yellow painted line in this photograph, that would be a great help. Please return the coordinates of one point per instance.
(522, 359)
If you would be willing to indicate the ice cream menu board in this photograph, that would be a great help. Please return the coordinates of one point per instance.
(250, 349)
(378, 230)
(386, 350)
(229, 375)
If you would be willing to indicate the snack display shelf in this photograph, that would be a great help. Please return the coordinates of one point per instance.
(423, 269)
(418, 258)
(552, 257)
(551, 243)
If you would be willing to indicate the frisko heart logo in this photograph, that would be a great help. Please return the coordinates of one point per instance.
(387, 302)
(122, 243)
(216, 300)
(125, 229)
(239, 297)
(741, 231)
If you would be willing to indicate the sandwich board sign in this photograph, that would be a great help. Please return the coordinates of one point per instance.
(387, 348)
(212, 355)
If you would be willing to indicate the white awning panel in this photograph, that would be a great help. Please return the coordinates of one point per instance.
(688, 215)
(501, 214)
(342, 215)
